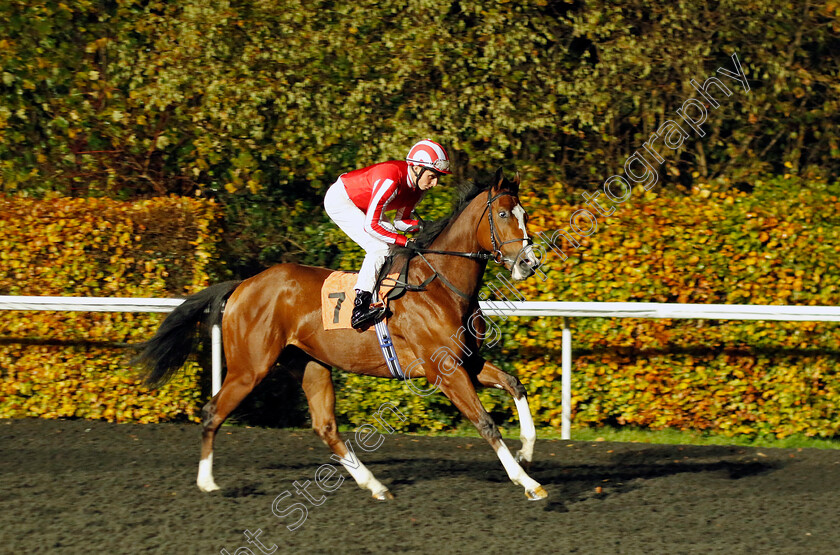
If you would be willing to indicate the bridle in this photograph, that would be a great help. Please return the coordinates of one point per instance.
(496, 256)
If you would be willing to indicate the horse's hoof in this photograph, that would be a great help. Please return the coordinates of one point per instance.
(383, 496)
(536, 494)
(207, 488)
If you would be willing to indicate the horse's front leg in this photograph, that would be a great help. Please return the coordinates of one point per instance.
(491, 375)
(459, 388)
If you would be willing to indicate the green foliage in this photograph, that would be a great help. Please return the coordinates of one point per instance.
(70, 364)
(128, 97)
(358, 398)
(262, 105)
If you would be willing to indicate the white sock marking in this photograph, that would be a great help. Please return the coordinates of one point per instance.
(205, 474)
(359, 471)
(527, 432)
(515, 472)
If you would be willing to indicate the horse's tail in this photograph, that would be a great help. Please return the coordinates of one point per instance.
(166, 352)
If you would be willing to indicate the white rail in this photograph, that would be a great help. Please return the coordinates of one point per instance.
(88, 304)
(566, 310)
(491, 308)
(785, 313)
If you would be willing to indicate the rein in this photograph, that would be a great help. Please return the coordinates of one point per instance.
(496, 256)
(472, 255)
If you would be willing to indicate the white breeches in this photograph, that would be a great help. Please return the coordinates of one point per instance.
(351, 221)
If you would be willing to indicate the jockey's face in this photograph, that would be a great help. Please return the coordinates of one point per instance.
(429, 179)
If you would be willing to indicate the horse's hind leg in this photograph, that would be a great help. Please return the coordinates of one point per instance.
(320, 394)
(491, 375)
(244, 372)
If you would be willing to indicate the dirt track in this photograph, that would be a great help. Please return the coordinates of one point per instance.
(92, 487)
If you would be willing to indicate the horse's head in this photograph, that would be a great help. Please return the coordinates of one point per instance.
(503, 228)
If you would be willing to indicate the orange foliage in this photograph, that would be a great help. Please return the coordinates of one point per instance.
(69, 364)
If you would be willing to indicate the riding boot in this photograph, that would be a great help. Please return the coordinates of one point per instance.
(362, 311)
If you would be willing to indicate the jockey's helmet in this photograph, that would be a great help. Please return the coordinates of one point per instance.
(429, 154)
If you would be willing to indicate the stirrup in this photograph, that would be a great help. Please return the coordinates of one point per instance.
(371, 315)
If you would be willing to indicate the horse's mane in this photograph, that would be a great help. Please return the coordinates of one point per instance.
(465, 192)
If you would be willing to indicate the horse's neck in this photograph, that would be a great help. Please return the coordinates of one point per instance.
(459, 236)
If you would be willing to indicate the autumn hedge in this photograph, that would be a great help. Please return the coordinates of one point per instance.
(74, 364)
(775, 245)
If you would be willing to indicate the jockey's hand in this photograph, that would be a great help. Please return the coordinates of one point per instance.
(411, 244)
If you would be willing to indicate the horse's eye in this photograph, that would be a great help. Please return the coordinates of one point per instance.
(503, 214)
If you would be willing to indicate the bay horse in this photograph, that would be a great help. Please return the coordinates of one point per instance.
(275, 318)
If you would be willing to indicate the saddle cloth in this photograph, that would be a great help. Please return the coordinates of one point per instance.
(338, 296)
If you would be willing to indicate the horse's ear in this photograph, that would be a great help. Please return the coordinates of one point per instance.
(500, 183)
(498, 179)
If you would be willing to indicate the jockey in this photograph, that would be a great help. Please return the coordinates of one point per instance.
(357, 202)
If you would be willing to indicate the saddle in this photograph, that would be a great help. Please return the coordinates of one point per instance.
(398, 280)
(338, 295)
